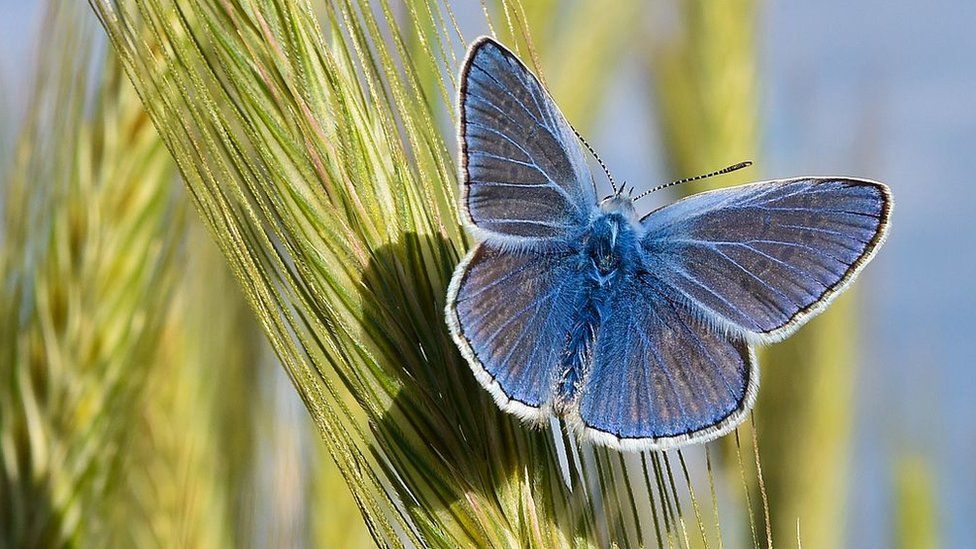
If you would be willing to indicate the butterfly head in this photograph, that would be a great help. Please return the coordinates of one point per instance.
(621, 203)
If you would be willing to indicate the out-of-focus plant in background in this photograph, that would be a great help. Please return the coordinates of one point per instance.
(315, 143)
(90, 230)
(130, 361)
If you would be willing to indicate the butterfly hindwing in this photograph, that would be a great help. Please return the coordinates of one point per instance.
(660, 377)
(761, 259)
(509, 312)
(525, 176)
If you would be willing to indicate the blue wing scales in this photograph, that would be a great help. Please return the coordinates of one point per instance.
(509, 312)
(660, 377)
(760, 259)
(525, 176)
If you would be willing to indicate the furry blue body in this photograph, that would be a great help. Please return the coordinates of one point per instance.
(607, 253)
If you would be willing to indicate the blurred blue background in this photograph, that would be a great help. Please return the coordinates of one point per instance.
(880, 89)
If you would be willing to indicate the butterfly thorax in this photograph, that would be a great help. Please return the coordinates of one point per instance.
(611, 241)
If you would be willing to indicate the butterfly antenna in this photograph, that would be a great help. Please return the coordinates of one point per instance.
(598, 159)
(725, 170)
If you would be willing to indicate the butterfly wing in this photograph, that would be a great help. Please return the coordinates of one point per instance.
(525, 176)
(723, 269)
(660, 377)
(509, 313)
(759, 260)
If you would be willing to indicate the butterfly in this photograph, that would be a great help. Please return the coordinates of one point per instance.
(637, 331)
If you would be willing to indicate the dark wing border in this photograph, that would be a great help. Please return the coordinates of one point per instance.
(831, 293)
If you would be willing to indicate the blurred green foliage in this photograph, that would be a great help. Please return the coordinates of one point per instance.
(134, 408)
(916, 513)
(90, 229)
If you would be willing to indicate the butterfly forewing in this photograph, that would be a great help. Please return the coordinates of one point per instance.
(525, 175)
(761, 258)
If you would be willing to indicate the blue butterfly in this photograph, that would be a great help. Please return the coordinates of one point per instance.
(637, 331)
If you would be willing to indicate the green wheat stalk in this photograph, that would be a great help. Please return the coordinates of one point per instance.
(314, 152)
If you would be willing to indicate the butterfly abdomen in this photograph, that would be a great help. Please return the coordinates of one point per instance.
(577, 353)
